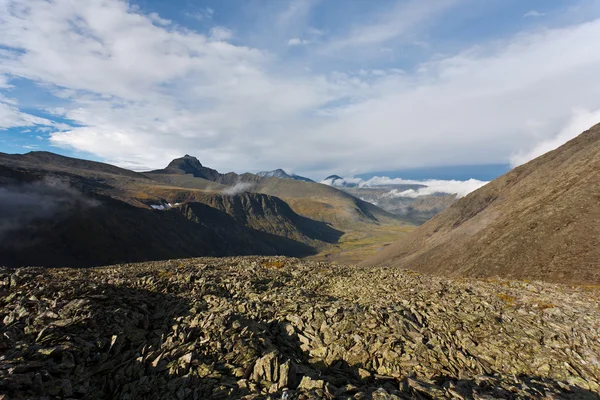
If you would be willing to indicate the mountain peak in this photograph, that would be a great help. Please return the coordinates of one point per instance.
(188, 164)
(280, 173)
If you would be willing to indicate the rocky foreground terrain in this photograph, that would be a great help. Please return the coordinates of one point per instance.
(256, 328)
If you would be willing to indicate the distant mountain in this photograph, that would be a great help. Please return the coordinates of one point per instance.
(415, 210)
(188, 165)
(540, 221)
(312, 200)
(279, 173)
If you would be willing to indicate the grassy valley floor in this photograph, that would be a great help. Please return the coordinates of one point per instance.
(355, 246)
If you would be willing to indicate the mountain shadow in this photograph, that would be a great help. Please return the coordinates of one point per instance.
(61, 227)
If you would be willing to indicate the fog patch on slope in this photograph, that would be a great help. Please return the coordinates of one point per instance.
(22, 205)
(238, 188)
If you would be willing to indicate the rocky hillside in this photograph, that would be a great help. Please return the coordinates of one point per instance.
(267, 214)
(257, 328)
(539, 221)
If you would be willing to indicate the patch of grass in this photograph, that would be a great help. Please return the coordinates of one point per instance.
(507, 298)
(357, 245)
(544, 306)
(274, 264)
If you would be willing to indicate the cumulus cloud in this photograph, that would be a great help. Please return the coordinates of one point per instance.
(221, 33)
(581, 121)
(142, 91)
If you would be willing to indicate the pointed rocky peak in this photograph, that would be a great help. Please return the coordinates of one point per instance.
(187, 163)
(190, 165)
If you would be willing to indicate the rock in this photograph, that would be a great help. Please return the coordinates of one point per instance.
(237, 330)
(307, 383)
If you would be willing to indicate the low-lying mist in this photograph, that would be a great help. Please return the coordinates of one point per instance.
(21, 205)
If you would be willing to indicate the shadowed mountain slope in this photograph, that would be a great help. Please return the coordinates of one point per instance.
(540, 221)
(47, 217)
(261, 212)
(99, 230)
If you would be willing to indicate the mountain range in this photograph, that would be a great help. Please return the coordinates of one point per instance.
(61, 211)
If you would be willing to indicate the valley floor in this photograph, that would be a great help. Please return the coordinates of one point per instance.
(257, 327)
(357, 245)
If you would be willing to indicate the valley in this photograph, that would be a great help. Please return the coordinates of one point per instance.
(184, 210)
(299, 200)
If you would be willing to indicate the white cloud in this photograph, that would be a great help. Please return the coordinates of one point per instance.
(238, 188)
(296, 11)
(431, 186)
(145, 92)
(4, 82)
(342, 182)
(221, 33)
(401, 20)
(581, 121)
(297, 42)
(534, 14)
(11, 117)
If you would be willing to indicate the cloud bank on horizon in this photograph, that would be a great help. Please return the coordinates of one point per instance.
(426, 187)
(393, 84)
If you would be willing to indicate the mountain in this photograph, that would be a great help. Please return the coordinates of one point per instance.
(416, 210)
(191, 166)
(264, 213)
(58, 210)
(312, 200)
(279, 173)
(540, 221)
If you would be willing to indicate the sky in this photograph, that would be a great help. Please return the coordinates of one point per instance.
(317, 87)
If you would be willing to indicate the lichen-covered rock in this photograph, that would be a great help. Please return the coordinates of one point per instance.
(232, 328)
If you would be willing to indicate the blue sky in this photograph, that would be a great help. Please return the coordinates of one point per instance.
(314, 86)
